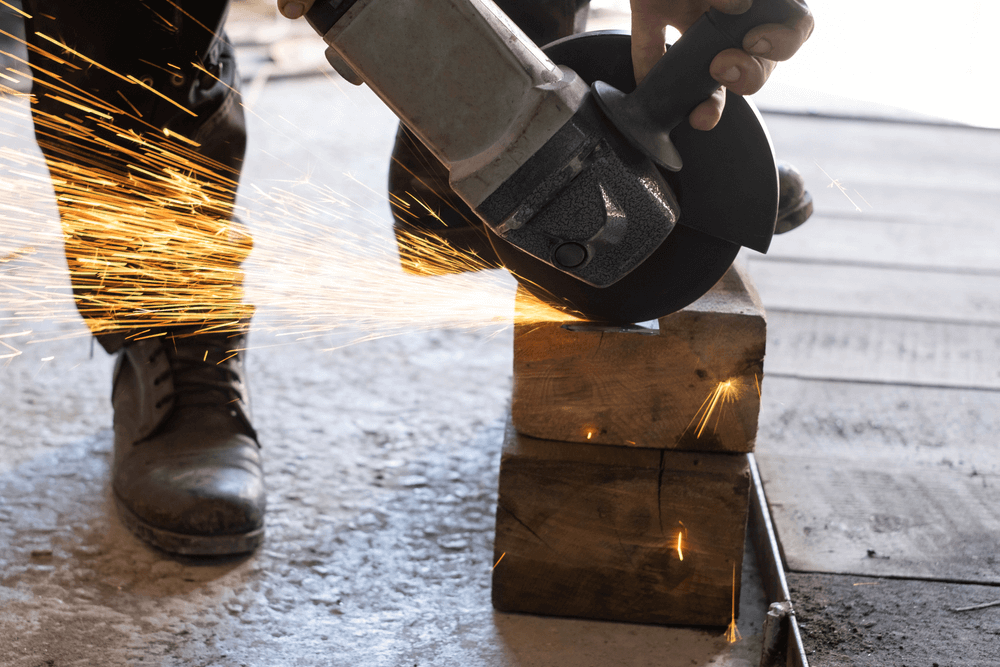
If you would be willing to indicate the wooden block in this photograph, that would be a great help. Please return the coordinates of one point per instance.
(642, 387)
(591, 531)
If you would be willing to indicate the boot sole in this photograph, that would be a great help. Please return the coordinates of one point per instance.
(189, 545)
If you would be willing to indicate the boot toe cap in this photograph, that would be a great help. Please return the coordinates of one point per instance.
(208, 501)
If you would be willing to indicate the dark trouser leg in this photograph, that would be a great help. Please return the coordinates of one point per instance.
(141, 128)
(144, 137)
(545, 21)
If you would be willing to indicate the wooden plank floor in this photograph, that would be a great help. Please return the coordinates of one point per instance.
(879, 440)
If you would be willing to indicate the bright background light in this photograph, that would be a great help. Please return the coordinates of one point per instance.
(885, 56)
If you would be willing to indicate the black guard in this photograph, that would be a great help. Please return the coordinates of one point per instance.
(729, 175)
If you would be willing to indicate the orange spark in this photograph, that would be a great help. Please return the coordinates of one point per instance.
(151, 243)
(732, 632)
(15, 9)
(498, 561)
(175, 135)
(724, 392)
(680, 551)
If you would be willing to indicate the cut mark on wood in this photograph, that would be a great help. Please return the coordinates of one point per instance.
(526, 527)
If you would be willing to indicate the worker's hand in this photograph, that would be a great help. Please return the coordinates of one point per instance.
(742, 71)
(294, 9)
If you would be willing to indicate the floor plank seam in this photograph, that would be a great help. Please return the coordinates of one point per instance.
(887, 120)
(896, 577)
(860, 264)
(860, 315)
(892, 383)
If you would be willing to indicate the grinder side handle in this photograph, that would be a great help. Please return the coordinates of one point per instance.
(681, 80)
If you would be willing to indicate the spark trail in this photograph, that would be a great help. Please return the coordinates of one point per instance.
(835, 183)
(154, 239)
(725, 392)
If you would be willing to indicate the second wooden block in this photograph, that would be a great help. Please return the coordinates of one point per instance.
(619, 533)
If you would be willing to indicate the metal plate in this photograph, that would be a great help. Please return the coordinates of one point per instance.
(729, 177)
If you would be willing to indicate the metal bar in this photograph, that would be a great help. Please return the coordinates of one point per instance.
(772, 571)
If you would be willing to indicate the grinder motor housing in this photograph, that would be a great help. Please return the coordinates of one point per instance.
(574, 179)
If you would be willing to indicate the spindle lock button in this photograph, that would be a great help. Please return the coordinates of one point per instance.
(570, 255)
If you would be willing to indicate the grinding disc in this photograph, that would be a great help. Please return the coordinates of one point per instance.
(729, 177)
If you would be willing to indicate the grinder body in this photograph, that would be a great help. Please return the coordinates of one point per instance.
(463, 78)
(522, 137)
(575, 192)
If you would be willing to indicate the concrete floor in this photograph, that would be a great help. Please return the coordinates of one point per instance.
(381, 456)
(381, 461)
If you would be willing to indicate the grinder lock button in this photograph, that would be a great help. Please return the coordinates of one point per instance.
(570, 255)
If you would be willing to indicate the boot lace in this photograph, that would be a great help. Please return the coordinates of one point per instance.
(203, 371)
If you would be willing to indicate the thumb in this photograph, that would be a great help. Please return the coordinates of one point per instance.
(294, 9)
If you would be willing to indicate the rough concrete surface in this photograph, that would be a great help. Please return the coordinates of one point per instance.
(381, 462)
(847, 621)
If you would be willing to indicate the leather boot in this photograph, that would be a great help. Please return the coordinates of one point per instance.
(187, 474)
(795, 204)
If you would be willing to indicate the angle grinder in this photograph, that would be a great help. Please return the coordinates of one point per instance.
(601, 199)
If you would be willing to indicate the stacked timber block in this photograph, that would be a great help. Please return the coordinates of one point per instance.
(624, 482)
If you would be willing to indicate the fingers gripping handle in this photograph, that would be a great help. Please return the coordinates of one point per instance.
(324, 13)
(681, 80)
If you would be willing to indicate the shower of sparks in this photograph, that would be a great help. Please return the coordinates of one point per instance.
(159, 243)
(835, 183)
(724, 392)
(732, 632)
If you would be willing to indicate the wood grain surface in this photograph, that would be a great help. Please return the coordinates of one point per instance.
(873, 240)
(592, 531)
(883, 291)
(848, 347)
(877, 441)
(643, 387)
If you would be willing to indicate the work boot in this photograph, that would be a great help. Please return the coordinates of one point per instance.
(795, 204)
(187, 474)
